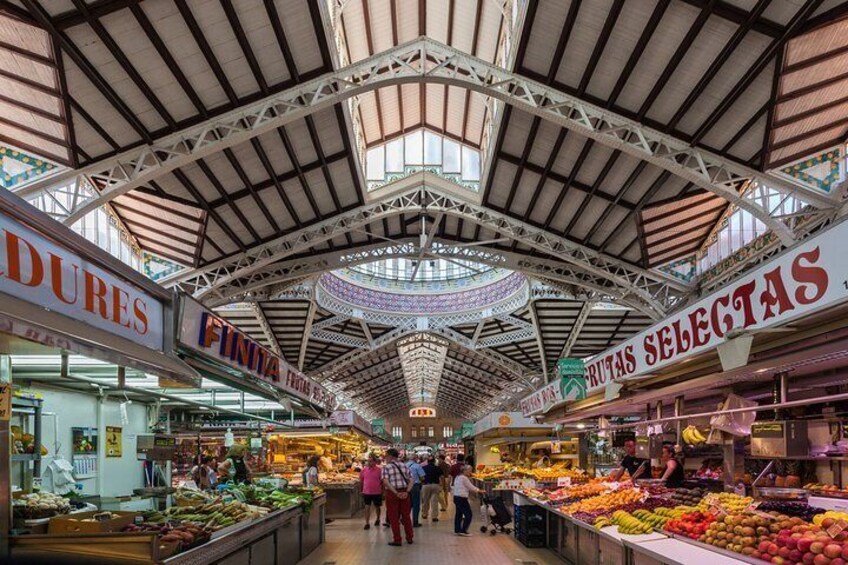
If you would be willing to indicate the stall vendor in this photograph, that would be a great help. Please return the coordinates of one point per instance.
(235, 467)
(673, 468)
(324, 462)
(635, 466)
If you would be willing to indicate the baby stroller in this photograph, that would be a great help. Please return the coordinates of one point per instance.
(495, 515)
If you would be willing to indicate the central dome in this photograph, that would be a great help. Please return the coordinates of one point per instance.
(398, 291)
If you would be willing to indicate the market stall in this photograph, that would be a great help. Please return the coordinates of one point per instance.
(340, 443)
(90, 385)
(741, 432)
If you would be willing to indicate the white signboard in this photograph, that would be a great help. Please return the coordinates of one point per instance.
(506, 420)
(350, 418)
(542, 399)
(806, 279)
(203, 331)
(35, 269)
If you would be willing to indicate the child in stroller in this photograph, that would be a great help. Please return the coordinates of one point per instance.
(495, 515)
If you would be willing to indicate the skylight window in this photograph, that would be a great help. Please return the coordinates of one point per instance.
(423, 150)
(428, 270)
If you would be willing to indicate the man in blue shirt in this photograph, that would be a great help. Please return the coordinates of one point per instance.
(418, 474)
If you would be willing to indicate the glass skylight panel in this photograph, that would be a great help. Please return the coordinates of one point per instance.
(375, 164)
(452, 161)
(414, 151)
(394, 156)
(423, 148)
(470, 164)
(432, 148)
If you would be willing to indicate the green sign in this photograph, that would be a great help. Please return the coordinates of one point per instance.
(467, 429)
(572, 373)
(571, 368)
(378, 426)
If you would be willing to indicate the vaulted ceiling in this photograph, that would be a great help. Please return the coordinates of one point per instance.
(715, 74)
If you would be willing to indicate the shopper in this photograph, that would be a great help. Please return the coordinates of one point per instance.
(445, 481)
(635, 466)
(371, 480)
(462, 488)
(431, 489)
(673, 474)
(456, 468)
(211, 472)
(237, 469)
(417, 473)
(310, 474)
(397, 482)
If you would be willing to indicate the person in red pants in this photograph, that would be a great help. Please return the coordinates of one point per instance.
(397, 482)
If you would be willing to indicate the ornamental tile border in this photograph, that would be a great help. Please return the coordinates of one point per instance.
(422, 304)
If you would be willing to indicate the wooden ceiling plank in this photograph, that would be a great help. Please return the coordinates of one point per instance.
(759, 65)
(154, 38)
(125, 64)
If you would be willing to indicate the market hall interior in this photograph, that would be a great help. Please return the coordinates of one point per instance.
(465, 281)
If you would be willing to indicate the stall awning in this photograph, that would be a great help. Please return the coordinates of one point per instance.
(51, 329)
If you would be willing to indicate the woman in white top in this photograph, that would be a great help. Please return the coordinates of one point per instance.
(462, 487)
(310, 474)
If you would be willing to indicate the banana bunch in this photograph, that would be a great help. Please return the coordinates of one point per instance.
(692, 436)
(629, 524)
(654, 520)
(602, 522)
(673, 513)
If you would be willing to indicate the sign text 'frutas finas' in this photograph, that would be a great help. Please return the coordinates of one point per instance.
(804, 280)
(222, 340)
(35, 269)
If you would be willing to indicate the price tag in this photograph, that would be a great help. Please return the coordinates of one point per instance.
(563, 481)
(717, 511)
(837, 528)
(753, 506)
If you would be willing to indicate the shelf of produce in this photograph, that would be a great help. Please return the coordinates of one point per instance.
(283, 537)
(674, 551)
(245, 543)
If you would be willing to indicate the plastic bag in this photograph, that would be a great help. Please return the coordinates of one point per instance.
(736, 423)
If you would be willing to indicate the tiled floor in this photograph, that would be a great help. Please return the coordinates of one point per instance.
(435, 543)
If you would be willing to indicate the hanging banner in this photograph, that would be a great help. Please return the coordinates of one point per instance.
(114, 441)
(573, 375)
(34, 269)
(541, 400)
(378, 426)
(202, 331)
(803, 280)
(571, 385)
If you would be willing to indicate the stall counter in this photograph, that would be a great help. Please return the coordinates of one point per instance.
(282, 537)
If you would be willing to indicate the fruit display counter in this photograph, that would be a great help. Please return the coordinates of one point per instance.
(606, 522)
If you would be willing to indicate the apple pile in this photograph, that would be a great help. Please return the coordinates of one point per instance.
(780, 539)
(693, 524)
(807, 544)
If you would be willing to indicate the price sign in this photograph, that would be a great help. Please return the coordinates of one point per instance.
(837, 528)
(563, 481)
(556, 447)
(753, 506)
(5, 402)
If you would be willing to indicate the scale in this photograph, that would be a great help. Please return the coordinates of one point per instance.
(155, 450)
(780, 439)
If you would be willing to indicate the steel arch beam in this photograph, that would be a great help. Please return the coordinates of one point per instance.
(276, 281)
(426, 61)
(651, 287)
